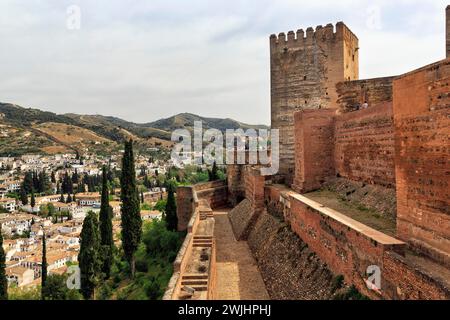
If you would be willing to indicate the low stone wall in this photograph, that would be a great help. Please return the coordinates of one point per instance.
(347, 246)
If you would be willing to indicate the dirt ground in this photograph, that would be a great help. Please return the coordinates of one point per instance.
(367, 217)
(238, 277)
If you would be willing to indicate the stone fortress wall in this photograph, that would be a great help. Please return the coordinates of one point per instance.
(399, 145)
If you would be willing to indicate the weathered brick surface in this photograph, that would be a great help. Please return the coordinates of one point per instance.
(304, 74)
(345, 247)
(215, 193)
(447, 30)
(314, 162)
(422, 146)
(236, 187)
(290, 270)
(241, 218)
(185, 206)
(364, 145)
(352, 94)
(404, 281)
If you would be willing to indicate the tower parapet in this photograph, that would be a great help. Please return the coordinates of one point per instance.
(321, 34)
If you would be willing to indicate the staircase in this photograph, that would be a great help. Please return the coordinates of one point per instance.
(203, 241)
(191, 283)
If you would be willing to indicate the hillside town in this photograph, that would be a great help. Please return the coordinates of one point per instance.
(51, 195)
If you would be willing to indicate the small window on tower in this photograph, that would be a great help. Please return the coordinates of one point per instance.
(304, 78)
(353, 57)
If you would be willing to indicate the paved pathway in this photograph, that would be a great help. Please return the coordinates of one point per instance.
(238, 277)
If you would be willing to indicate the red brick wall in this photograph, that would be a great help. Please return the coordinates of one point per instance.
(313, 149)
(354, 93)
(364, 145)
(422, 147)
(346, 250)
(185, 206)
(215, 193)
(254, 187)
(405, 282)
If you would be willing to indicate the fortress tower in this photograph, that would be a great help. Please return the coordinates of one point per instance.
(304, 72)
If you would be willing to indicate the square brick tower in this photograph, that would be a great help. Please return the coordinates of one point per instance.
(304, 74)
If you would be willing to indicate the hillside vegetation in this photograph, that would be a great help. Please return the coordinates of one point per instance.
(27, 130)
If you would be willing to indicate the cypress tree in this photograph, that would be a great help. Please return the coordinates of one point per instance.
(171, 209)
(52, 177)
(88, 257)
(142, 197)
(23, 196)
(28, 182)
(33, 200)
(131, 217)
(61, 199)
(44, 266)
(106, 233)
(69, 198)
(3, 281)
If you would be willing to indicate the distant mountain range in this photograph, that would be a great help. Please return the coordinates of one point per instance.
(26, 130)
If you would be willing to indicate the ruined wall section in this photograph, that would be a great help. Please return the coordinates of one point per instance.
(364, 145)
(352, 94)
(422, 146)
(304, 74)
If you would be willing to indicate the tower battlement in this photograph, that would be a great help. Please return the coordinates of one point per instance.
(328, 33)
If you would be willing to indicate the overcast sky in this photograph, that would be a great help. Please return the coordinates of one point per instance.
(144, 60)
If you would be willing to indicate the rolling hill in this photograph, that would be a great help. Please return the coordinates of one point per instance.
(26, 130)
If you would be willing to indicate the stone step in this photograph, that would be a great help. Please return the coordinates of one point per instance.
(194, 276)
(192, 283)
(203, 237)
(202, 245)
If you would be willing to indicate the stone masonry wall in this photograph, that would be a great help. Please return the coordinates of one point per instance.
(290, 270)
(215, 193)
(185, 206)
(304, 74)
(422, 146)
(355, 93)
(314, 162)
(364, 145)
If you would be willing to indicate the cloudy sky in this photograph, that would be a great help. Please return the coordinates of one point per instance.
(144, 60)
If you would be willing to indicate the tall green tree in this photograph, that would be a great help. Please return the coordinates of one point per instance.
(88, 258)
(33, 200)
(28, 182)
(131, 216)
(3, 280)
(43, 267)
(106, 229)
(213, 174)
(171, 209)
(23, 196)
